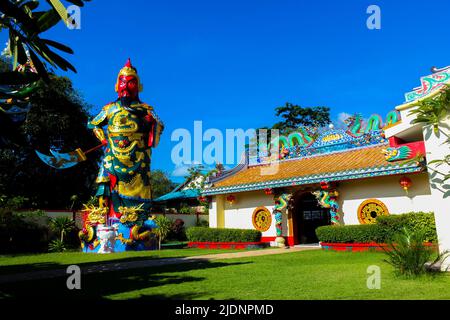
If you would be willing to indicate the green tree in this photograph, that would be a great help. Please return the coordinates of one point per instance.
(57, 119)
(164, 227)
(160, 183)
(295, 116)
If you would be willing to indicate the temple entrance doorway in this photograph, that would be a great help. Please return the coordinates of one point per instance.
(308, 215)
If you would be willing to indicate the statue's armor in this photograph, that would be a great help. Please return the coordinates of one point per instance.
(125, 170)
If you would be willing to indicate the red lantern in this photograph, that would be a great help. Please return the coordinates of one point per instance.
(324, 185)
(268, 191)
(231, 199)
(405, 182)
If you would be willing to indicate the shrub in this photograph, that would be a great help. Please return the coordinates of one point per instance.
(413, 221)
(202, 223)
(408, 254)
(348, 234)
(383, 231)
(186, 209)
(57, 245)
(177, 231)
(205, 234)
(22, 232)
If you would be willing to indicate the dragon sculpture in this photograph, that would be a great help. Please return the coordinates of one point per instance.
(397, 153)
(281, 203)
(374, 123)
(328, 199)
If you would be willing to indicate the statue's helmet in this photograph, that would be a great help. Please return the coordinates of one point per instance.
(128, 83)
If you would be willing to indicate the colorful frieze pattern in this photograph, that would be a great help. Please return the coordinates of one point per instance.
(352, 174)
(429, 84)
(313, 141)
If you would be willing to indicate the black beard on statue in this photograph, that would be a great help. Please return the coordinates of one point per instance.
(126, 101)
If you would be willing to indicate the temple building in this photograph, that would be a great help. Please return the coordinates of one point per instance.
(349, 175)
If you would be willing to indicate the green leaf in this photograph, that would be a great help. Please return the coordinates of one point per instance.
(30, 5)
(22, 57)
(60, 61)
(12, 10)
(42, 71)
(57, 45)
(47, 20)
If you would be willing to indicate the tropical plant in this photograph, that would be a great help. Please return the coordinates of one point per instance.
(164, 227)
(432, 112)
(57, 245)
(62, 225)
(409, 255)
(25, 24)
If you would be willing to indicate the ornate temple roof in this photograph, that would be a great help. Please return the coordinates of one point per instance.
(356, 163)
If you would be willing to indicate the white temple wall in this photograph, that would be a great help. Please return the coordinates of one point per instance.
(437, 149)
(387, 190)
(239, 214)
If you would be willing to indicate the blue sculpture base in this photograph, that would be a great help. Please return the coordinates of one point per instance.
(118, 237)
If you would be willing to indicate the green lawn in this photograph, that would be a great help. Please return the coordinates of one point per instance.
(298, 275)
(47, 261)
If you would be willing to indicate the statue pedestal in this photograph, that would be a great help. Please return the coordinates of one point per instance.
(107, 238)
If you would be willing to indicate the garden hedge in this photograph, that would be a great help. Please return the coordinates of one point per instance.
(382, 231)
(349, 234)
(205, 234)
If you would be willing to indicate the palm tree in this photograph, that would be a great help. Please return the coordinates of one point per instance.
(62, 225)
(164, 227)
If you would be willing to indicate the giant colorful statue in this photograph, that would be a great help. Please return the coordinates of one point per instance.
(128, 129)
(132, 129)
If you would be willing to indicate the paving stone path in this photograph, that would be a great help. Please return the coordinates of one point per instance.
(111, 266)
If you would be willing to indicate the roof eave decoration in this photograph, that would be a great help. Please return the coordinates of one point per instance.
(430, 86)
(317, 178)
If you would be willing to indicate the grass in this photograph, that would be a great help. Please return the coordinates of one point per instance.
(47, 261)
(298, 275)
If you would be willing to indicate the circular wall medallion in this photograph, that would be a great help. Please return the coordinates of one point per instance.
(370, 210)
(261, 219)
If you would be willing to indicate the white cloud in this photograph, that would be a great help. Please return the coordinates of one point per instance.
(342, 116)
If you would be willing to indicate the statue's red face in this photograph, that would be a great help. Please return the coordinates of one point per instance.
(128, 87)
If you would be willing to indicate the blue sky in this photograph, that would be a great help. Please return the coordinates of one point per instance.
(230, 63)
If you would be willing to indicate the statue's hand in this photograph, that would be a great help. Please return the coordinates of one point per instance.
(148, 118)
